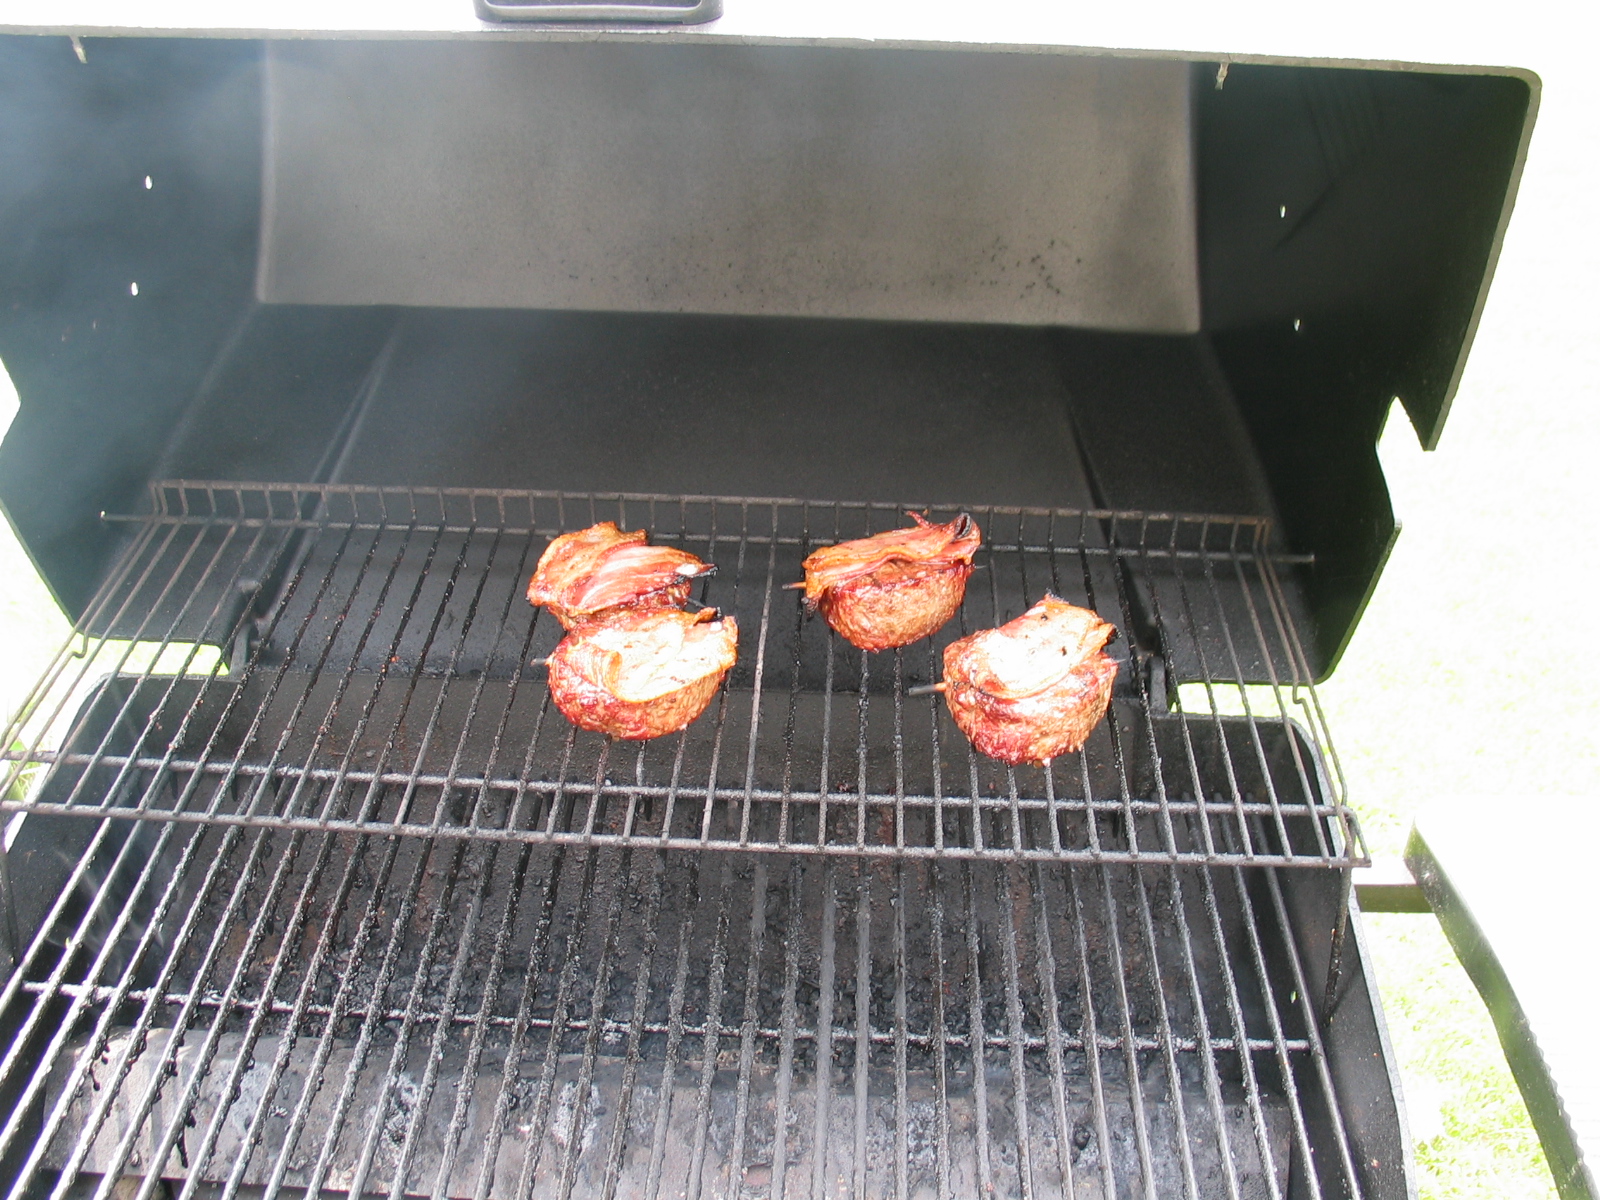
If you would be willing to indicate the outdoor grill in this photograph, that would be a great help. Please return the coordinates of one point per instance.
(308, 888)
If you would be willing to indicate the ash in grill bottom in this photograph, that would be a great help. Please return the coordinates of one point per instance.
(262, 1009)
(929, 1119)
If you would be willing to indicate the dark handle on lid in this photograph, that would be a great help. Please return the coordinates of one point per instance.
(543, 10)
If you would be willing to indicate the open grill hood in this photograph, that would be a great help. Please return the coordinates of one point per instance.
(1263, 261)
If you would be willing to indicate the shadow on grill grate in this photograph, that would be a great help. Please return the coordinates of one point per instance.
(411, 1016)
(374, 672)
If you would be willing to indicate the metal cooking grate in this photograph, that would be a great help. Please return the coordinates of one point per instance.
(224, 1008)
(323, 896)
(372, 674)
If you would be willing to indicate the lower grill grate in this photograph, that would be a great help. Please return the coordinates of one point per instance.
(313, 892)
(372, 649)
(249, 1009)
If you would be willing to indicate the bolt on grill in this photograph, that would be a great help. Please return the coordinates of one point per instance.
(258, 647)
(337, 902)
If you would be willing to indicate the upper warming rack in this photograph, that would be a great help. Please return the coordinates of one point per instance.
(363, 659)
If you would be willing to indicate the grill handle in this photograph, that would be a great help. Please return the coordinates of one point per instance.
(695, 13)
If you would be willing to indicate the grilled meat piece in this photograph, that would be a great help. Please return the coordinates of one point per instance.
(588, 574)
(641, 674)
(1035, 687)
(893, 588)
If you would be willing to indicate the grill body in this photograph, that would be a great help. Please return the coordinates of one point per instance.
(308, 887)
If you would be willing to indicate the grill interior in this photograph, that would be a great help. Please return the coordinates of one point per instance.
(323, 896)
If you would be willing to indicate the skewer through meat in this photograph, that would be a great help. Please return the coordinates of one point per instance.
(587, 575)
(893, 588)
(641, 674)
(1034, 688)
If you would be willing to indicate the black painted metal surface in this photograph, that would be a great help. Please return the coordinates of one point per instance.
(1347, 223)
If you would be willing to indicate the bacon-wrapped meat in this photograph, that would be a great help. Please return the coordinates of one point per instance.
(1035, 687)
(641, 674)
(893, 588)
(585, 575)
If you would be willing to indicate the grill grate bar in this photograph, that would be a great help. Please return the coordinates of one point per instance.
(612, 1027)
(1319, 1056)
(749, 1024)
(826, 1036)
(1134, 806)
(787, 1034)
(863, 1045)
(1055, 1037)
(1197, 1000)
(1090, 1022)
(1191, 1186)
(636, 1030)
(1004, 889)
(902, 1139)
(1286, 1075)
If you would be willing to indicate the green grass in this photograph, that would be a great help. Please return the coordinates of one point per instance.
(1468, 1123)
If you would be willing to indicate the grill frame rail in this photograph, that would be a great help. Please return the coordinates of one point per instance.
(264, 572)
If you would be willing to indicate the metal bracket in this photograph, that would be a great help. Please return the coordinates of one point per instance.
(245, 633)
(1159, 684)
(655, 14)
(1387, 887)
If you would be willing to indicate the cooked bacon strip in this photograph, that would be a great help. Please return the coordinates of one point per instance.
(1034, 688)
(584, 575)
(641, 674)
(893, 588)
